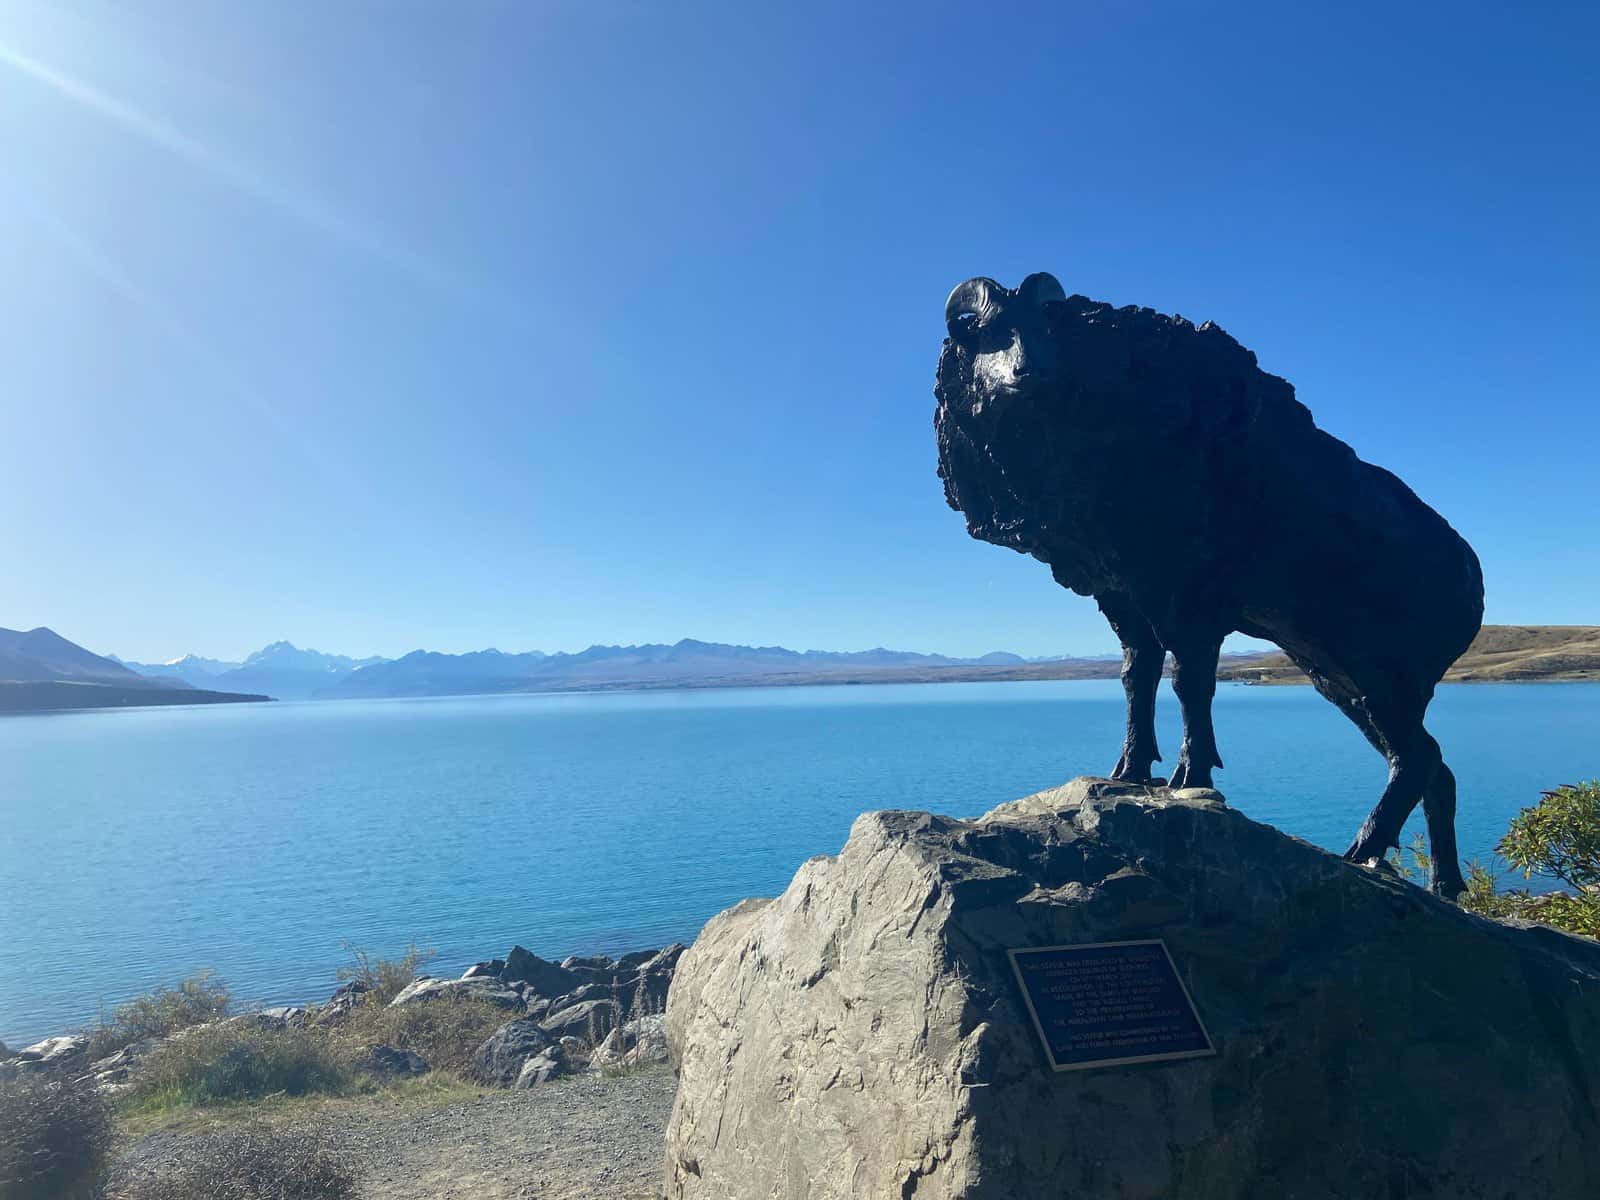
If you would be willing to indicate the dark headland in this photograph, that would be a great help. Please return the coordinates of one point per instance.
(57, 694)
(41, 671)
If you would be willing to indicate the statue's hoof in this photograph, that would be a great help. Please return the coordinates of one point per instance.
(1189, 777)
(1123, 773)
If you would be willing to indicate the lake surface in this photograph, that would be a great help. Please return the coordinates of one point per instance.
(139, 845)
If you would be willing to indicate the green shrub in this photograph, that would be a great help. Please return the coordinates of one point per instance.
(445, 1031)
(384, 977)
(1558, 838)
(240, 1060)
(196, 1000)
(54, 1137)
(250, 1164)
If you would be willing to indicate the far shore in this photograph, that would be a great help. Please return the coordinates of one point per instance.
(1268, 670)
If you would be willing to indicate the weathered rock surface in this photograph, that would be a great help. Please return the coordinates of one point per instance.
(344, 1001)
(499, 1061)
(863, 1035)
(285, 1015)
(545, 978)
(589, 1021)
(111, 1073)
(635, 1043)
(551, 1063)
(478, 988)
(53, 1051)
(391, 1061)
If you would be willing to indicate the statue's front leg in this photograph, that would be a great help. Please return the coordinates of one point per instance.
(1142, 659)
(1194, 679)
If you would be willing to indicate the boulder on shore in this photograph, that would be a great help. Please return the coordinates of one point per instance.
(483, 988)
(545, 978)
(864, 1034)
(636, 1043)
(345, 1000)
(589, 1020)
(391, 1062)
(499, 1061)
(54, 1051)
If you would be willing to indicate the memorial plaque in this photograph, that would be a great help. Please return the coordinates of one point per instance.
(1105, 1004)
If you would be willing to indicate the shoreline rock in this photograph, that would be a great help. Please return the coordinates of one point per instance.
(573, 1011)
(863, 1034)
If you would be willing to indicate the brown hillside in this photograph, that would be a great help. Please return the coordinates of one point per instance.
(1499, 654)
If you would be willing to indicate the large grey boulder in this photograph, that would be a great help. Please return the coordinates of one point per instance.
(491, 991)
(551, 1063)
(589, 1021)
(638, 982)
(544, 977)
(112, 1073)
(863, 1034)
(499, 1060)
(391, 1062)
(344, 1001)
(636, 1043)
(52, 1052)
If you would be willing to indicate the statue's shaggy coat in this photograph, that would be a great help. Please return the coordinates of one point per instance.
(1152, 465)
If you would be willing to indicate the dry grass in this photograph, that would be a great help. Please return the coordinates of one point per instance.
(54, 1138)
(197, 1000)
(384, 978)
(445, 1031)
(256, 1163)
(239, 1061)
(397, 1096)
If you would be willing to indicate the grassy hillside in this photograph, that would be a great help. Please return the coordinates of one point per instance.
(1499, 654)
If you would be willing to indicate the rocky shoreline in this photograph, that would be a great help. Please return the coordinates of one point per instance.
(585, 1014)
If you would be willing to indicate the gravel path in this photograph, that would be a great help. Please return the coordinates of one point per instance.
(579, 1138)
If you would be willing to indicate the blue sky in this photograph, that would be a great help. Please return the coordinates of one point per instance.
(384, 325)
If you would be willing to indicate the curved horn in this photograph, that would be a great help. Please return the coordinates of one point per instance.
(976, 297)
(1040, 288)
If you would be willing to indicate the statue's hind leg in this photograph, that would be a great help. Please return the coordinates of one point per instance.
(1439, 808)
(1413, 761)
(1437, 793)
(1142, 658)
(1194, 678)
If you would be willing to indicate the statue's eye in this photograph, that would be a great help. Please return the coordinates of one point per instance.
(966, 328)
(995, 336)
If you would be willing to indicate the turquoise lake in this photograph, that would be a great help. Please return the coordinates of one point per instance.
(139, 845)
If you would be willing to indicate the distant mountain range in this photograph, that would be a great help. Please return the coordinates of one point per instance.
(286, 672)
(40, 669)
(190, 667)
(280, 670)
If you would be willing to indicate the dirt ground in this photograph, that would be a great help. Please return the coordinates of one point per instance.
(577, 1138)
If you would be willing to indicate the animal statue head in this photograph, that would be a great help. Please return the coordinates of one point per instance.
(1052, 406)
(1005, 336)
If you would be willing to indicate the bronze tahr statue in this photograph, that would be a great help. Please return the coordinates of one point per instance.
(1152, 465)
